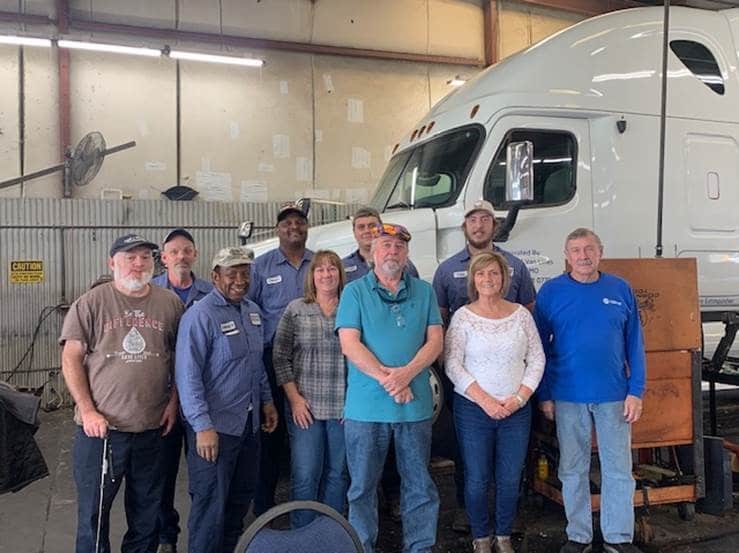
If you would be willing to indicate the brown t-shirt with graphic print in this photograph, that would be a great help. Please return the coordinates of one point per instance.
(129, 344)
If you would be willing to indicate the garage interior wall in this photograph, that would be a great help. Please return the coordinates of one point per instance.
(303, 124)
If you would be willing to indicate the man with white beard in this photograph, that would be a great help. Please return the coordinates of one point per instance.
(118, 356)
(390, 330)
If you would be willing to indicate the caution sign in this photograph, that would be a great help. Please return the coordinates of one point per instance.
(26, 272)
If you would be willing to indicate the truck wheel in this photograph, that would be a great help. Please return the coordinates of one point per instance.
(686, 511)
(437, 393)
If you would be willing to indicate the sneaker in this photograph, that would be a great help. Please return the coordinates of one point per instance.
(481, 545)
(167, 548)
(576, 547)
(461, 523)
(620, 548)
(503, 545)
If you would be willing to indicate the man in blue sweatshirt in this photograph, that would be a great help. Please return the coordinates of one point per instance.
(595, 374)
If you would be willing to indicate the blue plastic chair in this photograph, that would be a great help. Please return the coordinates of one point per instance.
(329, 532)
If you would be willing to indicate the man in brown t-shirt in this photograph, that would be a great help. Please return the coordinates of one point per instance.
(118, 346)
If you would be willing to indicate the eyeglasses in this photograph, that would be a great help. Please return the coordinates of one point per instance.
(399, 318)
(386, 229)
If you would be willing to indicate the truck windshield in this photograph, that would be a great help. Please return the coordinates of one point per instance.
(430, 175)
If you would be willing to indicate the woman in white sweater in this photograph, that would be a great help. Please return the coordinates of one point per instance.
(494, 358)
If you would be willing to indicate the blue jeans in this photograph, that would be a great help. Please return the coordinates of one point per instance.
(221, 492)
(574, 431)
(169, 518)
(317, 464)
(366, 447)
(491, 450)
(137, 459)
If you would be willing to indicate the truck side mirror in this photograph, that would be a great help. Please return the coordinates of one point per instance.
(304, 205)
(245, 230)
(519, 176)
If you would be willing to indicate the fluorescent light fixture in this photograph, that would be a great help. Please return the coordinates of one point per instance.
(25, 41)
(456, 81)
(212, 58)
(112, 48)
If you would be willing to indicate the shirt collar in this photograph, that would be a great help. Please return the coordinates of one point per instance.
(385, 294)
(281, 258)
(219, 299)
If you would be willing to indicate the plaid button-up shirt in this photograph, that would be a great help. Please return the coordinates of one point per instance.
(306, 351)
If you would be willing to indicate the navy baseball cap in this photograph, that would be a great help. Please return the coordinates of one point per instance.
(129, 242)
(177, 232)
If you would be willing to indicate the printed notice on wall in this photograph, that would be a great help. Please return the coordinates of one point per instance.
(26, 272)
(355, 110)
(253, 191)
(328, 83)
(360, 158)
(266, 168)
(281, 146)
(303, 169)
(283, 87)
(214, 187)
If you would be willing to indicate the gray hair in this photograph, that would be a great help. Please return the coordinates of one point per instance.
(583, 232)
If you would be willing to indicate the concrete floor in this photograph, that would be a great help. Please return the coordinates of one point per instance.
(42, 517)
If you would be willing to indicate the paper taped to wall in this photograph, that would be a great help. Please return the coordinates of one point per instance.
(233, 130)
(253, 191)
(281, 146)
(328, 83)
(319, 136)
(361, 158)
(355, 110)
(266, 168)
(155, 166)
(214, 187)
(283, 87)
(303, 169)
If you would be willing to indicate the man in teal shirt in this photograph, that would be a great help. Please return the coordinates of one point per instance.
(391, 332)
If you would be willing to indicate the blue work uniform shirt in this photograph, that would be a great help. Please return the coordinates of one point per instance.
(199, 289)
(218, 368)
(274, 284)
(356, 266)
(393, 327)
(450, 281)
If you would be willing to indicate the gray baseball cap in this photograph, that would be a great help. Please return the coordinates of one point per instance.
(230, 257)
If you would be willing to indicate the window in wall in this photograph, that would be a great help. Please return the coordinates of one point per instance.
(555, 163)
(701, 63)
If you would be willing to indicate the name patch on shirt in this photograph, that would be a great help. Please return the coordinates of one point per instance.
(255, 319)
(608, 301)
(229, 328)
(274, 279)
(459, 274)
(350, 269)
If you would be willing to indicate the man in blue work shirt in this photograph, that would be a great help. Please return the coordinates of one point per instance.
(356, 264)
(220, 374)
(178, 255)
(594, 376)
(277, 278)
(450, 279)
(450, 285)
(390, 332)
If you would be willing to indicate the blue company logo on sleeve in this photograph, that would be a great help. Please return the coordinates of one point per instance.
(608, 301)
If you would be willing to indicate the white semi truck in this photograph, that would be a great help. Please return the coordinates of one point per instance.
(587, 99)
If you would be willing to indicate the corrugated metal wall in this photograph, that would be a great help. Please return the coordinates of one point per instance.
(72, 238)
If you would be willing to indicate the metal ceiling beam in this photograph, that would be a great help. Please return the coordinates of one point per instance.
(490, 19)
(25, 18)
(584, 7)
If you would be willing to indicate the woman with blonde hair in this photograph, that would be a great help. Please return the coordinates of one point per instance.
(495, 360)
(310, 367)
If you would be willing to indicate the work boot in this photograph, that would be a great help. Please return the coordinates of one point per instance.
(576, 547)
(461, 523)
(620, 548)
(481, 545)
(503, 545)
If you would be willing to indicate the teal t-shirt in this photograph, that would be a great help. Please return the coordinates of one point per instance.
(393, 328)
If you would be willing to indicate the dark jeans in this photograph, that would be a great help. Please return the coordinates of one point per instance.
(491, 450)
(137, 459)
(221, 492)
(169, 518)
(274, 446)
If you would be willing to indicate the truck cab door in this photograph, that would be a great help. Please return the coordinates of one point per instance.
(561, 184)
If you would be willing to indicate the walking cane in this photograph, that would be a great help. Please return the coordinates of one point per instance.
(105, 466)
